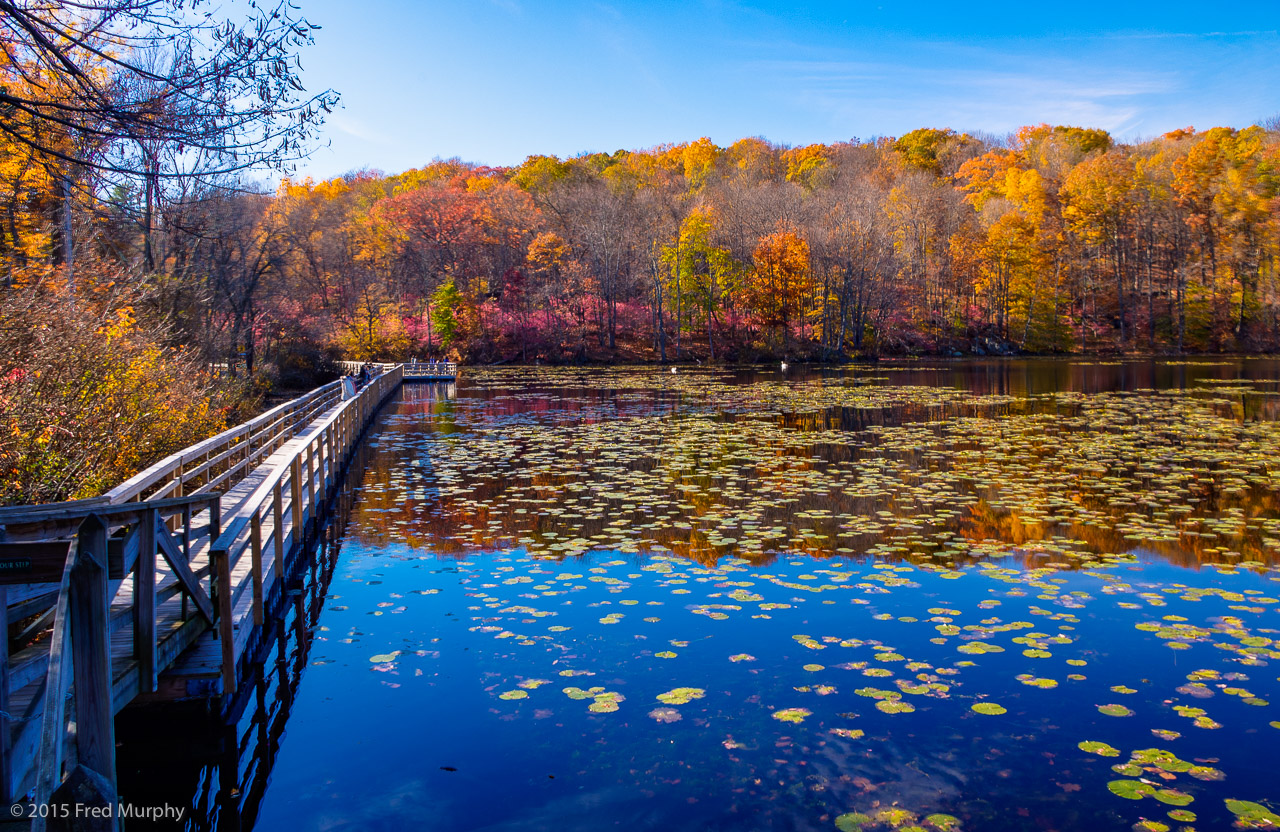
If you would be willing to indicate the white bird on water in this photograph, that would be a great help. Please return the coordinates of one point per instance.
(784, 365)
(673, 369)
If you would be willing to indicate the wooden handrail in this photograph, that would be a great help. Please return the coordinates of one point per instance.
(57, 681)
(329, 443)
(82, 620)
(443, 368)
(291, 415)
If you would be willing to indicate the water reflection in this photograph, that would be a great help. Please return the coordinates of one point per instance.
(923, 463)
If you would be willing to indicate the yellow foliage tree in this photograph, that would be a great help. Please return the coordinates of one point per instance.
(781, 282)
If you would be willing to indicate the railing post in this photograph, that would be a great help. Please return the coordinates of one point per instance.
(215, 519)
(91, 652)
(311, 476)
(215, 532)
(178, 491)
(318, 483)
(277, 509)
(186, 532)
(144, 602)
(221, 559)
(333, 463)
(295, 497)
(53, 729)
(255, 546)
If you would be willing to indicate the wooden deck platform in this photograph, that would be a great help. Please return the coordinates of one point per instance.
(411, 371)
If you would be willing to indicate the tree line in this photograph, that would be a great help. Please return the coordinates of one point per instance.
(1051, 240)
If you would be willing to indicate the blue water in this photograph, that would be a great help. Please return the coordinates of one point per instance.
(481, 603)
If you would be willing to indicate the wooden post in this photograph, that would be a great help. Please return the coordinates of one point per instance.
(321, 488)
(311, 478)
(221, 559)
(295, 498)
(255, 545)
(178, 491)
(277, 509)
(215, 531)
(144, 602)
(333, 463)
(91, 652)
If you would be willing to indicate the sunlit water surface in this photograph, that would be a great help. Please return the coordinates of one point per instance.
(980, 596)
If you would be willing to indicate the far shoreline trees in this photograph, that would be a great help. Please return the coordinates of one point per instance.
(1056, 240)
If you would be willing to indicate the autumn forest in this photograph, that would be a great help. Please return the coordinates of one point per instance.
(1054, 240)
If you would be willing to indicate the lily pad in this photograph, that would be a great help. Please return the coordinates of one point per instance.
(1173, 797)
(1251, 815)
(852, 822)
(1114, 710)
(1131, 789)
(680, 696)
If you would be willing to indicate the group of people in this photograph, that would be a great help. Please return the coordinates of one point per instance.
(368, 372)
(350, 384)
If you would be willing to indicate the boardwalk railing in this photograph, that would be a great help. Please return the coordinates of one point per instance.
(263, 529)
(221, 461)
(186, 556)
(411, 369)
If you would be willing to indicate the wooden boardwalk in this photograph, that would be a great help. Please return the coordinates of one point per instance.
(160, 588)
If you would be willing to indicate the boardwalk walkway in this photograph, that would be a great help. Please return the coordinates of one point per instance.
(160, 588)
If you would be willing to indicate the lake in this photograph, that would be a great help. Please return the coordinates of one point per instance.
(971, 595)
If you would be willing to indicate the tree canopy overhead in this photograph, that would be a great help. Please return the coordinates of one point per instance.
(163, 87)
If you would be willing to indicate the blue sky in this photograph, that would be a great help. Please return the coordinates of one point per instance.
(492, 81)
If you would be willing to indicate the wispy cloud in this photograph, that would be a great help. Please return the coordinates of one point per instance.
(357, 129)
(998, 95)
(1254, 33)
